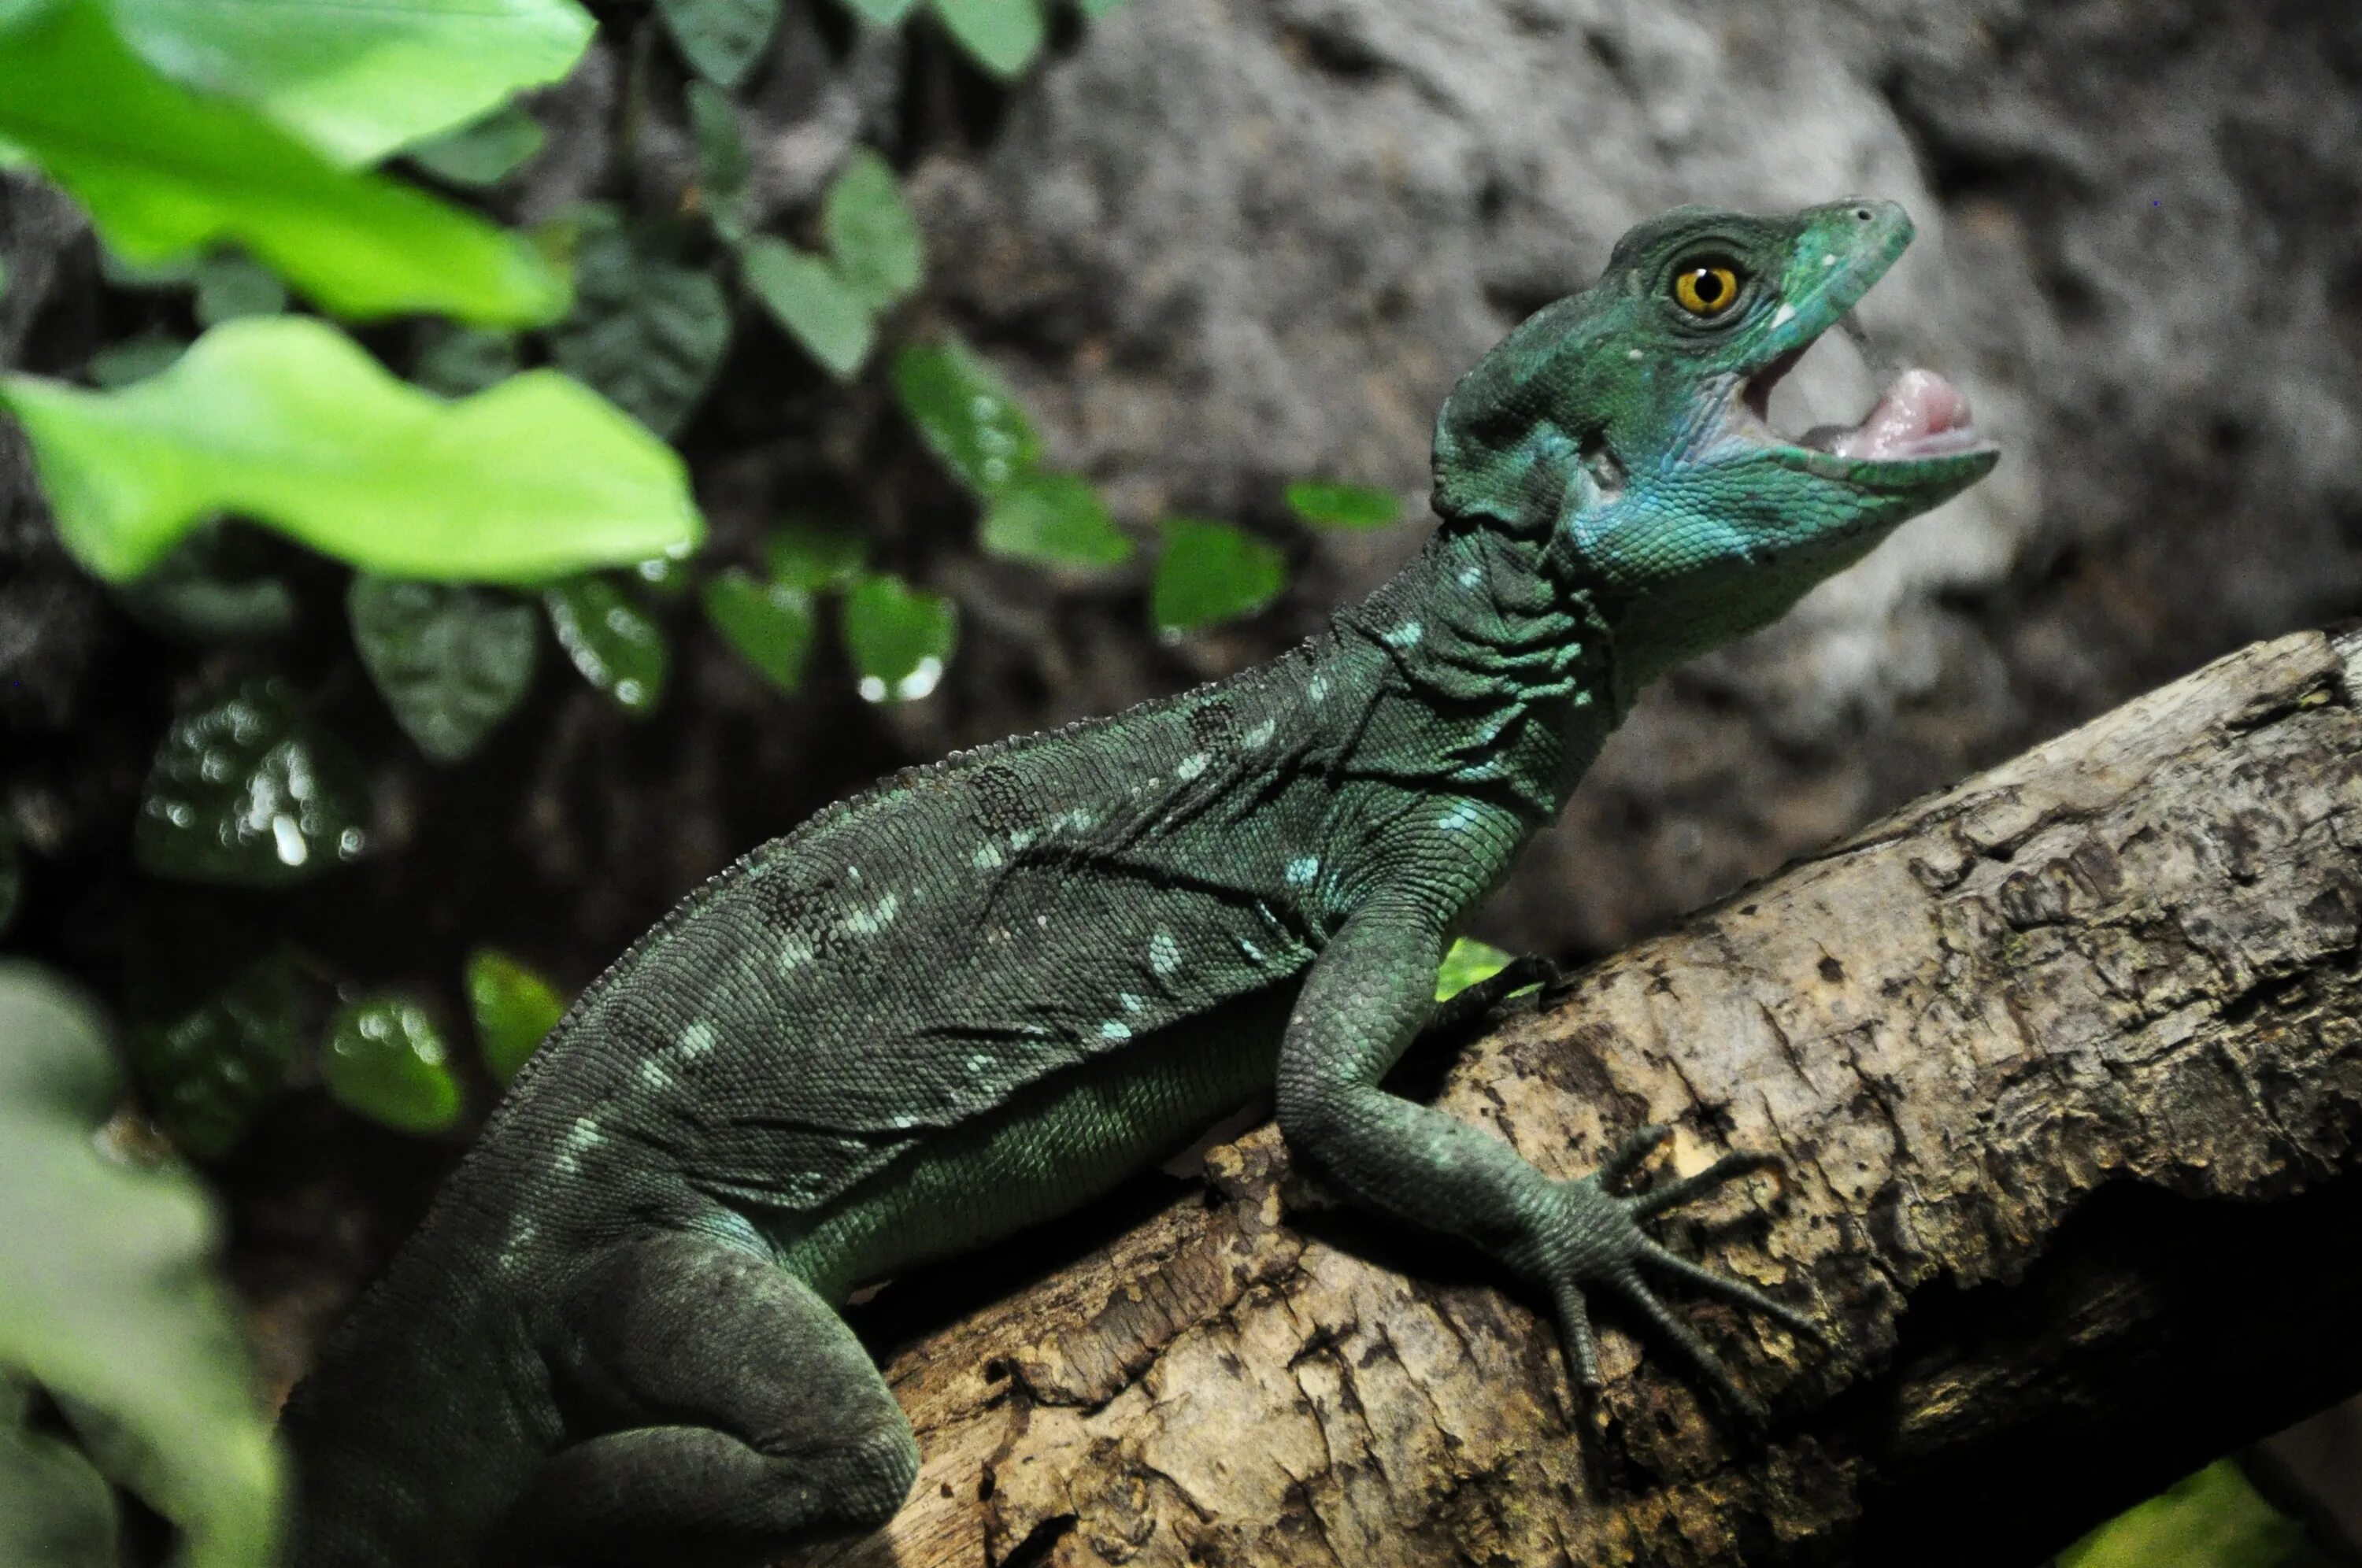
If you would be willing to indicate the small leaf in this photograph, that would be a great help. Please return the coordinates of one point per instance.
(722, 161)
(248, 794)
(813, 555)
(134, 358)
(229, 286)
(611, 640)
(166, 173)
(451, 661)
(12, 877)
(460, 361)
(515, 1009)
(805, 295)
(882, 13)
(899, 638)
(1466, 961)
(384, 1059)
(210, 1072)
(1209, 572)
(870, 232)
(2213, 1519)
(216, 586)
(1053, 517)
(965, 414)
(719, 39)
(770, 622)
(1002, 36)
(1336, 506)
(480, 156)
(647, 331)
(285, 420)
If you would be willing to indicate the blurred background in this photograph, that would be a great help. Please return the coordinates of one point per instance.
(1025, 362)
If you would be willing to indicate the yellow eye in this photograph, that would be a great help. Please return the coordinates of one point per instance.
(1706, 289)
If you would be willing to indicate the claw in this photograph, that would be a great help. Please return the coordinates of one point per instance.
(1731, 1290)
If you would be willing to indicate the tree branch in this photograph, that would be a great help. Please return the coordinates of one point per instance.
(2067, 1069)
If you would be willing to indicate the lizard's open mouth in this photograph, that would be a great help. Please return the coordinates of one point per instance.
(1919, 415)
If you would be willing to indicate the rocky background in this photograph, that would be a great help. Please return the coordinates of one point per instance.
(1217, 245)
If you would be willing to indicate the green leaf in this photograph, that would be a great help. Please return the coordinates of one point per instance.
(359, 78)
(2214, 1519)
(722, 161)
(1053, 517)
(166, 173)
(647, 331)
(805, 553)
(899, 638)
(12, 877)
(480, 156)
(210, 1072)
(451, 661)
(458, 361)
(56, 1509)
(1095, 9)
(770, 622)
(1334, 505)
(805, 295)
(229, 286)
(611, 640)
(1209, 572)
(120, 272)
(882, 13)
(870, 232)
(109, 1298)
(719, 39)
(384, 1059)
(135, 358)
(965, 414)
(214, 587)
(515, 1009)
(1002, 36)
(248, 794)
(284, 420)
(1466, 962)
(665, 577)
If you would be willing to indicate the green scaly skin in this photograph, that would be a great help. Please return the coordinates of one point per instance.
(973, 999)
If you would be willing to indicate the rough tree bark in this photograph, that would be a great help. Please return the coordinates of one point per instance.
(2066, 1068)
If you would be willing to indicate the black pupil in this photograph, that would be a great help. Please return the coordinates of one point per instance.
(1708, 285)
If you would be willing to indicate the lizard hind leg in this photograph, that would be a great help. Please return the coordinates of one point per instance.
(717, 1411)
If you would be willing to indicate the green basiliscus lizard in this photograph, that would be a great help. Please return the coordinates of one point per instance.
(976, 996)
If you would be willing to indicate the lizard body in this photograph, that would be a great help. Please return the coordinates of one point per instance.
(976, 996)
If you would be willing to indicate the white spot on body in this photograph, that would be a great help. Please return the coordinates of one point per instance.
(655, 1074)
(1317, 689)
(987, 857)
(1115, 1029)
(1460, 818)
(1255, 953)
(579, 1140)
(875, 919)
(1405, 636)
(1261, 734)
(1784, 314)
(1164, 953)
(697, 1040)
(1828, 260)
(1634, 355)
(1192, 766)
(1129, 1002)
(1302, 870)
(1471, 576)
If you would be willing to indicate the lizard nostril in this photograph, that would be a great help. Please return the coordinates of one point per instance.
(1863, 214)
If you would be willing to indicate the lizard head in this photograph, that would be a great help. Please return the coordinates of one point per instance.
(1626, 425)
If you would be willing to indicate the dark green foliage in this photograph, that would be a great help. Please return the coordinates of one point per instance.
(612, 641)
(648, 330)
(1002, 36)
(721, 38)
(459, 361)
(1333, 505)
(384, 1059)
(723, 164)
(485, 153)
(209, 1072)
(1053, 517)
(769, 623)
(871, 233)
(248, 792)
(813, 555)
(207, 589)
(805, 295)
(899, 637)
(965, 414)
(230, 285)
(12, 877)
(134, 358)
(513, 1007)
(450, 660)
(1209, 572)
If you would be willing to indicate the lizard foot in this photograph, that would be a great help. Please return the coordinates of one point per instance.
(1598, 1240)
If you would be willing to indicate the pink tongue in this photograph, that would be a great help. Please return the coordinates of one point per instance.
(1919, 406)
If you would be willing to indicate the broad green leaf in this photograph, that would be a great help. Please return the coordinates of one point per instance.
(166, 173)
(965, 414)
(899, 638)
(770, 622)
(1209, 572)
(56, 1509)
(458, 361)
(230, 285)
(1053, 517)
(611, 640)
(515, 1009)
(134, 358)
(882, 13)
(723, 164)
(870, 232)
(2212, 1519)
(450, 660)
(1002, 36)
(805, 553)
(285, 420)
(384, 1059)
(482, 155)
(246, 794)
(1466, 962)
(209, 1073)
(1336, 506)
(109, 1298)
(12, 877)
(215, 586)
(647, 331)
(720, 38)
(805, 295)
(359, 78)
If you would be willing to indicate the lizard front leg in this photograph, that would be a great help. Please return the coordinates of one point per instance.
(1366, 999)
